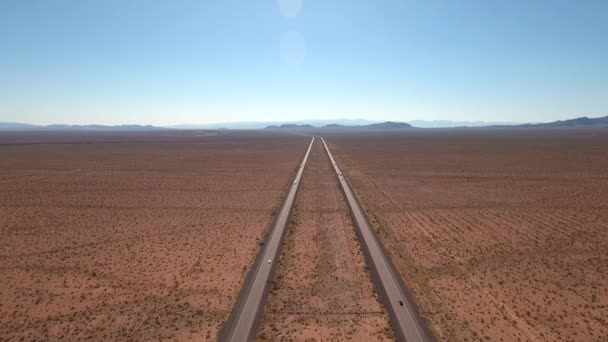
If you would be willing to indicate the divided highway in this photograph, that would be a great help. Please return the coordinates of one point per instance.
(247, 313)
(406, 322)
(242, 325)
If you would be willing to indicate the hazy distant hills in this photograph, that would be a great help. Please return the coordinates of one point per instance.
(388, 125)
(363, 124)
(448, 123)
(336, 124)
(264, 124)
(290, 126)
(14, 126)
(578, 122)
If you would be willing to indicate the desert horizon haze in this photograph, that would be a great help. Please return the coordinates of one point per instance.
(168, 63)
(327, 123)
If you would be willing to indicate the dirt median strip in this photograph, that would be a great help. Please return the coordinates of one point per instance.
(322, 290)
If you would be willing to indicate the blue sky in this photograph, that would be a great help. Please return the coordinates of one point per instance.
(171, 62)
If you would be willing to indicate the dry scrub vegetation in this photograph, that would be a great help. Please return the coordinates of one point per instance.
(502, 235)
(133, 235)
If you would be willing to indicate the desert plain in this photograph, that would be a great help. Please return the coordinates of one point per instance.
(133, 236)
(501, 234)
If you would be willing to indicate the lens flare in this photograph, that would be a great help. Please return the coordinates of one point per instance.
(290, 8)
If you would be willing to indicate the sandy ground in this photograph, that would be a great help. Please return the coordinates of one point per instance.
(502, 235)
(322, 290)
(133, 236)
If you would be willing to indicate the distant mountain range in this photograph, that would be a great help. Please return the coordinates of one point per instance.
(578, 122)
(337, 123)
(382, 125)
(14, 126)
(447, 123)
(389, 125)
(292, 126)
(312, 124)
(264, 124)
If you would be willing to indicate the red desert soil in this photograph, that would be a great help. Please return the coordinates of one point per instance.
(322, 291)
(133, 235)
(502, 235)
